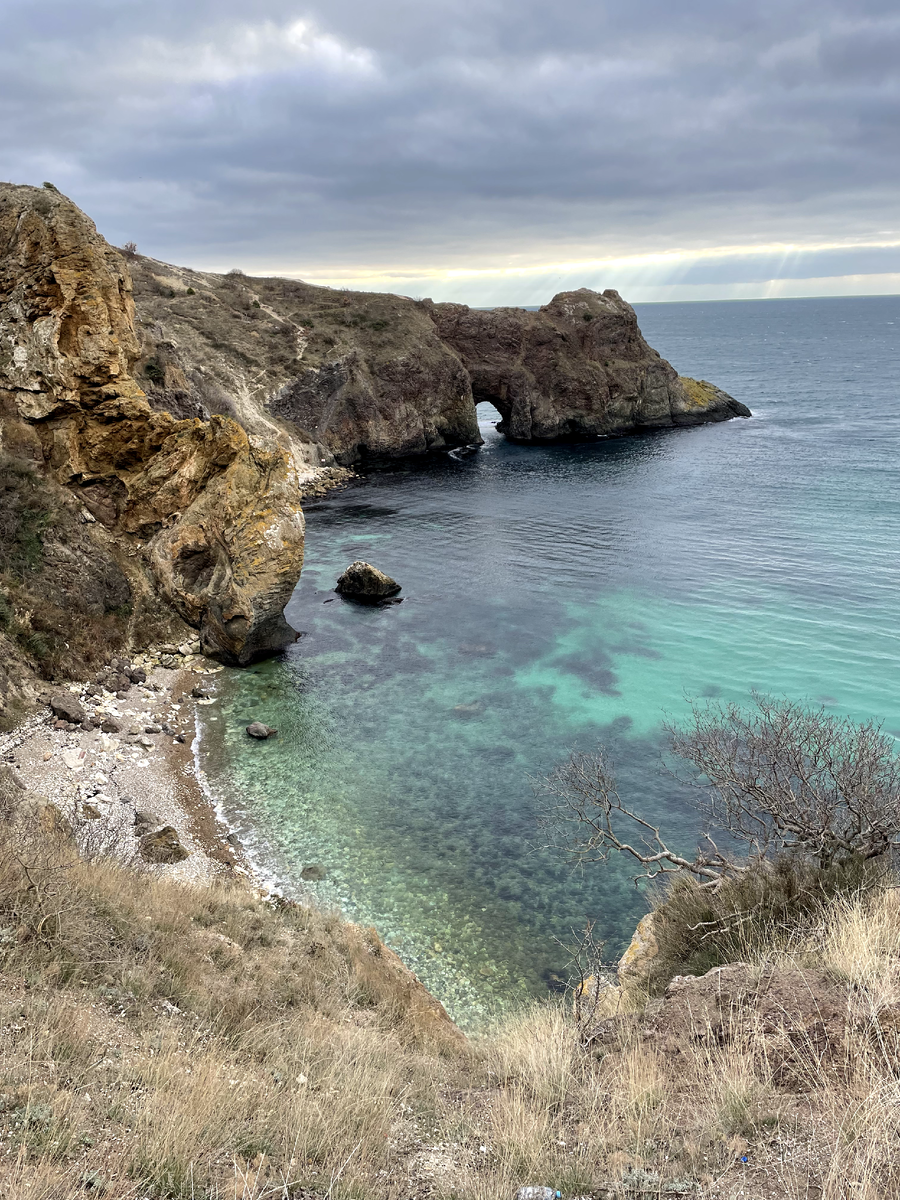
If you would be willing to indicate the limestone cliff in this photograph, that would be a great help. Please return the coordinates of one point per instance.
(577, 369)
(366, 376)
(211, 511)
(352, 376)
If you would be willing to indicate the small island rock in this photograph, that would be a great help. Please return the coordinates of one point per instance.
(363, 580)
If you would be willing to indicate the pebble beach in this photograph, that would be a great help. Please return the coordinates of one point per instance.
(116, 756)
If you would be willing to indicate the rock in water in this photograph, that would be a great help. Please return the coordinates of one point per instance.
(162, 846)
(314, 873)
(258, 730)
(364, 581)
(216, 513)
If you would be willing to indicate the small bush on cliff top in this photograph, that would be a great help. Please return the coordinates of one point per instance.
(698, 928)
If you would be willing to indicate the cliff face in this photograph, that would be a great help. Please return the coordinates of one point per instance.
(210, 511)
(365, 376)
(577, 369)
(350, 376)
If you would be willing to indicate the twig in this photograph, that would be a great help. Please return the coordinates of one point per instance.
(335, 1178)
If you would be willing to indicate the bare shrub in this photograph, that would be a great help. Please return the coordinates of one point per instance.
(785, 777)
(781, 779)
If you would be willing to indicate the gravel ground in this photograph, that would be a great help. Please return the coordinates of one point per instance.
(99, 780)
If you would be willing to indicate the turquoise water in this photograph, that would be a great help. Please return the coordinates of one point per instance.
(567, 596)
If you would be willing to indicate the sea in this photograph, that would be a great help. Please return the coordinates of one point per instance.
(560, 598)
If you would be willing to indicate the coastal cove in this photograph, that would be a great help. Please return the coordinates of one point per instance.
(561, 596)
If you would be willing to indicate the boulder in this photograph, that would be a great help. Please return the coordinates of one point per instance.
(314, 873)
(67, 707)
(162, 846)
(258, 730)
(637, 963)
(30, 813)
(363, 581)
(145, 820)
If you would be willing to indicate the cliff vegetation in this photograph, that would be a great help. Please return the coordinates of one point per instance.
(171, 1042)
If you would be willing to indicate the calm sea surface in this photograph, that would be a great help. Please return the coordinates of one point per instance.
(570, 596)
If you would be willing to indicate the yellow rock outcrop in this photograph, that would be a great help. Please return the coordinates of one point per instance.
(216, 511)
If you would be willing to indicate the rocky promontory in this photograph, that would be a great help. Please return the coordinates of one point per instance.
(197, 512)
(159, 427)
(359, 377)
(577, 369)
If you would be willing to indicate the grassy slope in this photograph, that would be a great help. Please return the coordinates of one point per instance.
(248, 333)
(159, 1041)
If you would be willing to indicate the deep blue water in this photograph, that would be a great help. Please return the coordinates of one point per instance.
(570, 596)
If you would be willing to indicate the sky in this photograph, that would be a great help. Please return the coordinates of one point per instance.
(485, 151)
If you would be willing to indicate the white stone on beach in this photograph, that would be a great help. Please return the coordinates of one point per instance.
(74, 759)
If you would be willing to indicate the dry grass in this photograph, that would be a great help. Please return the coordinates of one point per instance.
(860, 942)
(167, 1043)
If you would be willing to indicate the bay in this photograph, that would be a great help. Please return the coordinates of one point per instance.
(571, 596)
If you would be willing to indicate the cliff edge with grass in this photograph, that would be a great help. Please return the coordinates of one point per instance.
(171, 1042)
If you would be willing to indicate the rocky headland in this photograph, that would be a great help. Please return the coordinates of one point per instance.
(140, 519)
(358, 377)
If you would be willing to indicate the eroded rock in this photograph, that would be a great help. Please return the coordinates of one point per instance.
(579, 368)
(162, 846)
(215, 512)
(636, 965)
(67, 707)
(363, 581)
(258, 730)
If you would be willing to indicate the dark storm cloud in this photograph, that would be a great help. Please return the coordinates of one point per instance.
(379, 131)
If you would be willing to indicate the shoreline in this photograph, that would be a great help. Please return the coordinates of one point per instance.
(101, 777)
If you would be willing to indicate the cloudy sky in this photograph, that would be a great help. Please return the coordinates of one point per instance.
(490, 151)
